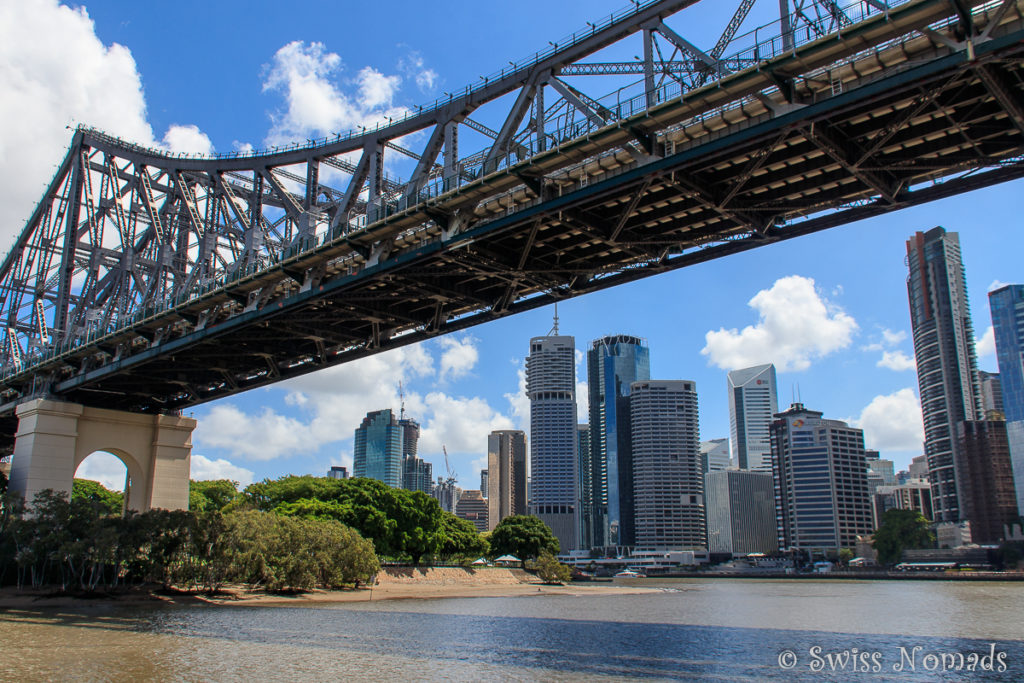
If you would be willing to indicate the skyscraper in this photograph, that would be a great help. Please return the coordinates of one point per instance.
(506, 475)
(377, 452)
(989, 500)
(714, 455)
(613, 364)
(472, 507)
(668, 481)
(417, 474)
(753, 403)
(820, 477)
(947, 372)
(584, 488)
(551, 386)
(1007, 306)
(741, 512)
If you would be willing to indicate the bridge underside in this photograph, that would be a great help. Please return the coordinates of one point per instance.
(810, 157)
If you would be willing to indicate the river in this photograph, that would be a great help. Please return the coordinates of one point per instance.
(698, 629)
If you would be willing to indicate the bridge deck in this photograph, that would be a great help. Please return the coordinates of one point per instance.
(879, 117)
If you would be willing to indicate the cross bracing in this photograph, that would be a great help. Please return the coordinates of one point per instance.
(151, 282)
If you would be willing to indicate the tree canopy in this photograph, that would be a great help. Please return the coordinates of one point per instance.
(108, 502)
(400, 523)
(900, 530)
(524, 536)
(207, 496)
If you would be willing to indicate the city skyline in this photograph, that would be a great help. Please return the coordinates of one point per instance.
(830, 304)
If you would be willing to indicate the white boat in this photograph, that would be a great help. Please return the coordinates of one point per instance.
(630, 574)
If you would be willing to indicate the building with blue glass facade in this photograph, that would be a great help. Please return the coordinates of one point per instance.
(377, 452)
(1007, 306)
(613, 364)
(819, 473)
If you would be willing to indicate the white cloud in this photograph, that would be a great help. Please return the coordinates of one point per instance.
(796, 326)
(460, 424)
(415, 68)
(582, 403)
(986, 346)
(458, 357)
(105, 468)
(518, 401)
(997, 284)
(254, 437)
(187, 140)
(896, 360)
(55, 73)
(205, 469)
(314, 105)
(893, 338)
(376, 89)
(892, 422)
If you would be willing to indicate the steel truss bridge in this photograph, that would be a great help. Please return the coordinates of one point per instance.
(150, 282)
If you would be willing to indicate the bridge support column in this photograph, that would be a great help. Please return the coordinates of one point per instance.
(54, 438)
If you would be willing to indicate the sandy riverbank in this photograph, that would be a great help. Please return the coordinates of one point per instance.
(392, 584)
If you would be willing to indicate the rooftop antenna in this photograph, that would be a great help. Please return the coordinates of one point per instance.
(554, 330)
(401, 399)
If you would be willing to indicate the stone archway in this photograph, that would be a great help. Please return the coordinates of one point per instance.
(55, 437)
(133, 471)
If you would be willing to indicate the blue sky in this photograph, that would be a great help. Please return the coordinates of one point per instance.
(829, 309)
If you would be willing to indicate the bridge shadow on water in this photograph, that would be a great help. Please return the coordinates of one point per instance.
(545, 647)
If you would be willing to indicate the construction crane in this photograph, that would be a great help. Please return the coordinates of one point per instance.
(451, 475)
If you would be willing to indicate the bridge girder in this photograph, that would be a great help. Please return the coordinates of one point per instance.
(157, 282)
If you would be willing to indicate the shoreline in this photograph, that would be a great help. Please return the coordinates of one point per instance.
(15, 600)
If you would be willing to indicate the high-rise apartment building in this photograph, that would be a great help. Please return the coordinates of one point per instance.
(989, 500)
(377, 452)
(551, 387)
(506, 475)
(1007, 306)
(991, 392)
(613, 364)
(714, 455)
(668, 481)
(820, 478)
(741, 512)
(753, 402)
(947, 372)
(584, 488)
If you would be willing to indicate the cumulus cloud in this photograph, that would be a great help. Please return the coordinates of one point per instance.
(458, 358)
(205, 469)
(796, 326)
(986, 346)
(307, 77)
(376, 89)
(264, 436)
(518, 401)
(892, 422)
(187, 140)
(460, 424)
(896, 360)
(105, 468)
(54, 73)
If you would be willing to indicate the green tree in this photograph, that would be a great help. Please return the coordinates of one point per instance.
(106, 501)
(207, 496)
(524, 536)
(550, 570)
(900, 530)
(461, 539)
(845, 555)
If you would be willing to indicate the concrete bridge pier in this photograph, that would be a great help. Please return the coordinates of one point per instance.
(54, 437)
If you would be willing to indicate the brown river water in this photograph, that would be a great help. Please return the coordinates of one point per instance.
(697, 629)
